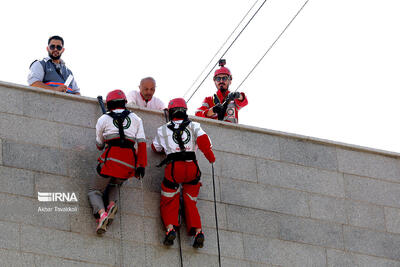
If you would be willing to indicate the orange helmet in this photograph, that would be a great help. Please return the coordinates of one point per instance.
(115, 95)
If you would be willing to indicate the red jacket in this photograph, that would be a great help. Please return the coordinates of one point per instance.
(231, 114)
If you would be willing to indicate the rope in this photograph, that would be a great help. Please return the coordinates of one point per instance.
(272, 45)
(180, 223)
(219, 50)
(216, 217)
(227, 50)
(120, 226)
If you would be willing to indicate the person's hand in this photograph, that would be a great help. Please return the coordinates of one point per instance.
(217, 108)
(234, 95)
(139, 172)
(62, 88)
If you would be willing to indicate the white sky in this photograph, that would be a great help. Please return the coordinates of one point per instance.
(332, 75)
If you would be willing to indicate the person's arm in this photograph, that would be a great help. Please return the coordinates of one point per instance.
(241, 101)
(100, 141)
(36, 75)
(156, 145)
(141, 142)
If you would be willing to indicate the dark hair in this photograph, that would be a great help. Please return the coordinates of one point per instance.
(56, 37)
(115, 104)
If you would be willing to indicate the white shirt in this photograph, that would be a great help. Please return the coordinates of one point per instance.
(106, 129)
(135, 97)
(166, 140)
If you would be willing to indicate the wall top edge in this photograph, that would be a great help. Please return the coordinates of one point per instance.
(239, 127)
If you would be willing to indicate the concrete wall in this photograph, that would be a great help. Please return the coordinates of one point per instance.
(283, 199)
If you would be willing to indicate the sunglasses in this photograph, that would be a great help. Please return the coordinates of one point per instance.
(52, 47)
(224, 79)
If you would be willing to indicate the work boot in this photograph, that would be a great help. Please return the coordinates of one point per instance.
(170, 237)
(102, 223)
(111, 210)
(198, 240)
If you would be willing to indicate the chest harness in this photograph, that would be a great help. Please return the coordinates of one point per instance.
(183, 155)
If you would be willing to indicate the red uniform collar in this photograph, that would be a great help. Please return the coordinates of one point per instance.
(221, 96)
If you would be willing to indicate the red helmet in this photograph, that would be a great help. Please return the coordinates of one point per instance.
(222, 69)
(115, 95)
(177, 103)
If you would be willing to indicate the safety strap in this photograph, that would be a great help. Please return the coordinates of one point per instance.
(178, 131)
(120, 117)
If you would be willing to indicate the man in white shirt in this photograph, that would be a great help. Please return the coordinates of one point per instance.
(144, 98)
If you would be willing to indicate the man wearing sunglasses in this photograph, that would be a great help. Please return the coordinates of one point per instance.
(223, 105)
(51, 72)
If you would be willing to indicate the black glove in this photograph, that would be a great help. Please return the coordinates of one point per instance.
(217, 108)
(234, 95)
(139, 172)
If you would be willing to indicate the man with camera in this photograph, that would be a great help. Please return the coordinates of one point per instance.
(223, 105)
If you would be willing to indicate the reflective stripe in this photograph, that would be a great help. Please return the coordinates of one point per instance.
(192, 198)
(140, 140)
(119, 161)
(170, 194)
(205, 105)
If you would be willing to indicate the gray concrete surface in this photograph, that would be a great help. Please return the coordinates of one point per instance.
(283, 199)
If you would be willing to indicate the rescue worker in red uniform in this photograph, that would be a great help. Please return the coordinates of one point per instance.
(223, 105)
(117, 131)
(179, 140)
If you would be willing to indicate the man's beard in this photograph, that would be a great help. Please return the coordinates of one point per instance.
(53, 57)
(222, 89)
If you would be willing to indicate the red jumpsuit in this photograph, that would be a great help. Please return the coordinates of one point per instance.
(231, 114)
(183, 172)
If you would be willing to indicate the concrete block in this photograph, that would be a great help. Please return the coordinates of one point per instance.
(339, 258)
(23, 129)
(11, 101)
(392, 218)
(373, 243)
(206, 189)
(77, 138)
(16, 259)
(162, 256)
(365, 215)
(54, 183)
(57, 108)
(195, 259)
(16, 181)
(131, 201)
(252, 221)
(310, 231)
(41, 260)
(1, 152)
(371, 165)
(132, 228)
(328, 208)
(134, 254)
(207, 214)
(231, 243)
(83, 221)
(239, 167)
(24, 210)
(264, 197)
(301, 178)
(243, 142)
(33, 157)
(82, 164)
(369, 261)
(239, 263)
(151, 204)
(9, 235)
(308, 154)
(277, 252)
(69, 245)
(205, 166)
(373, 191)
